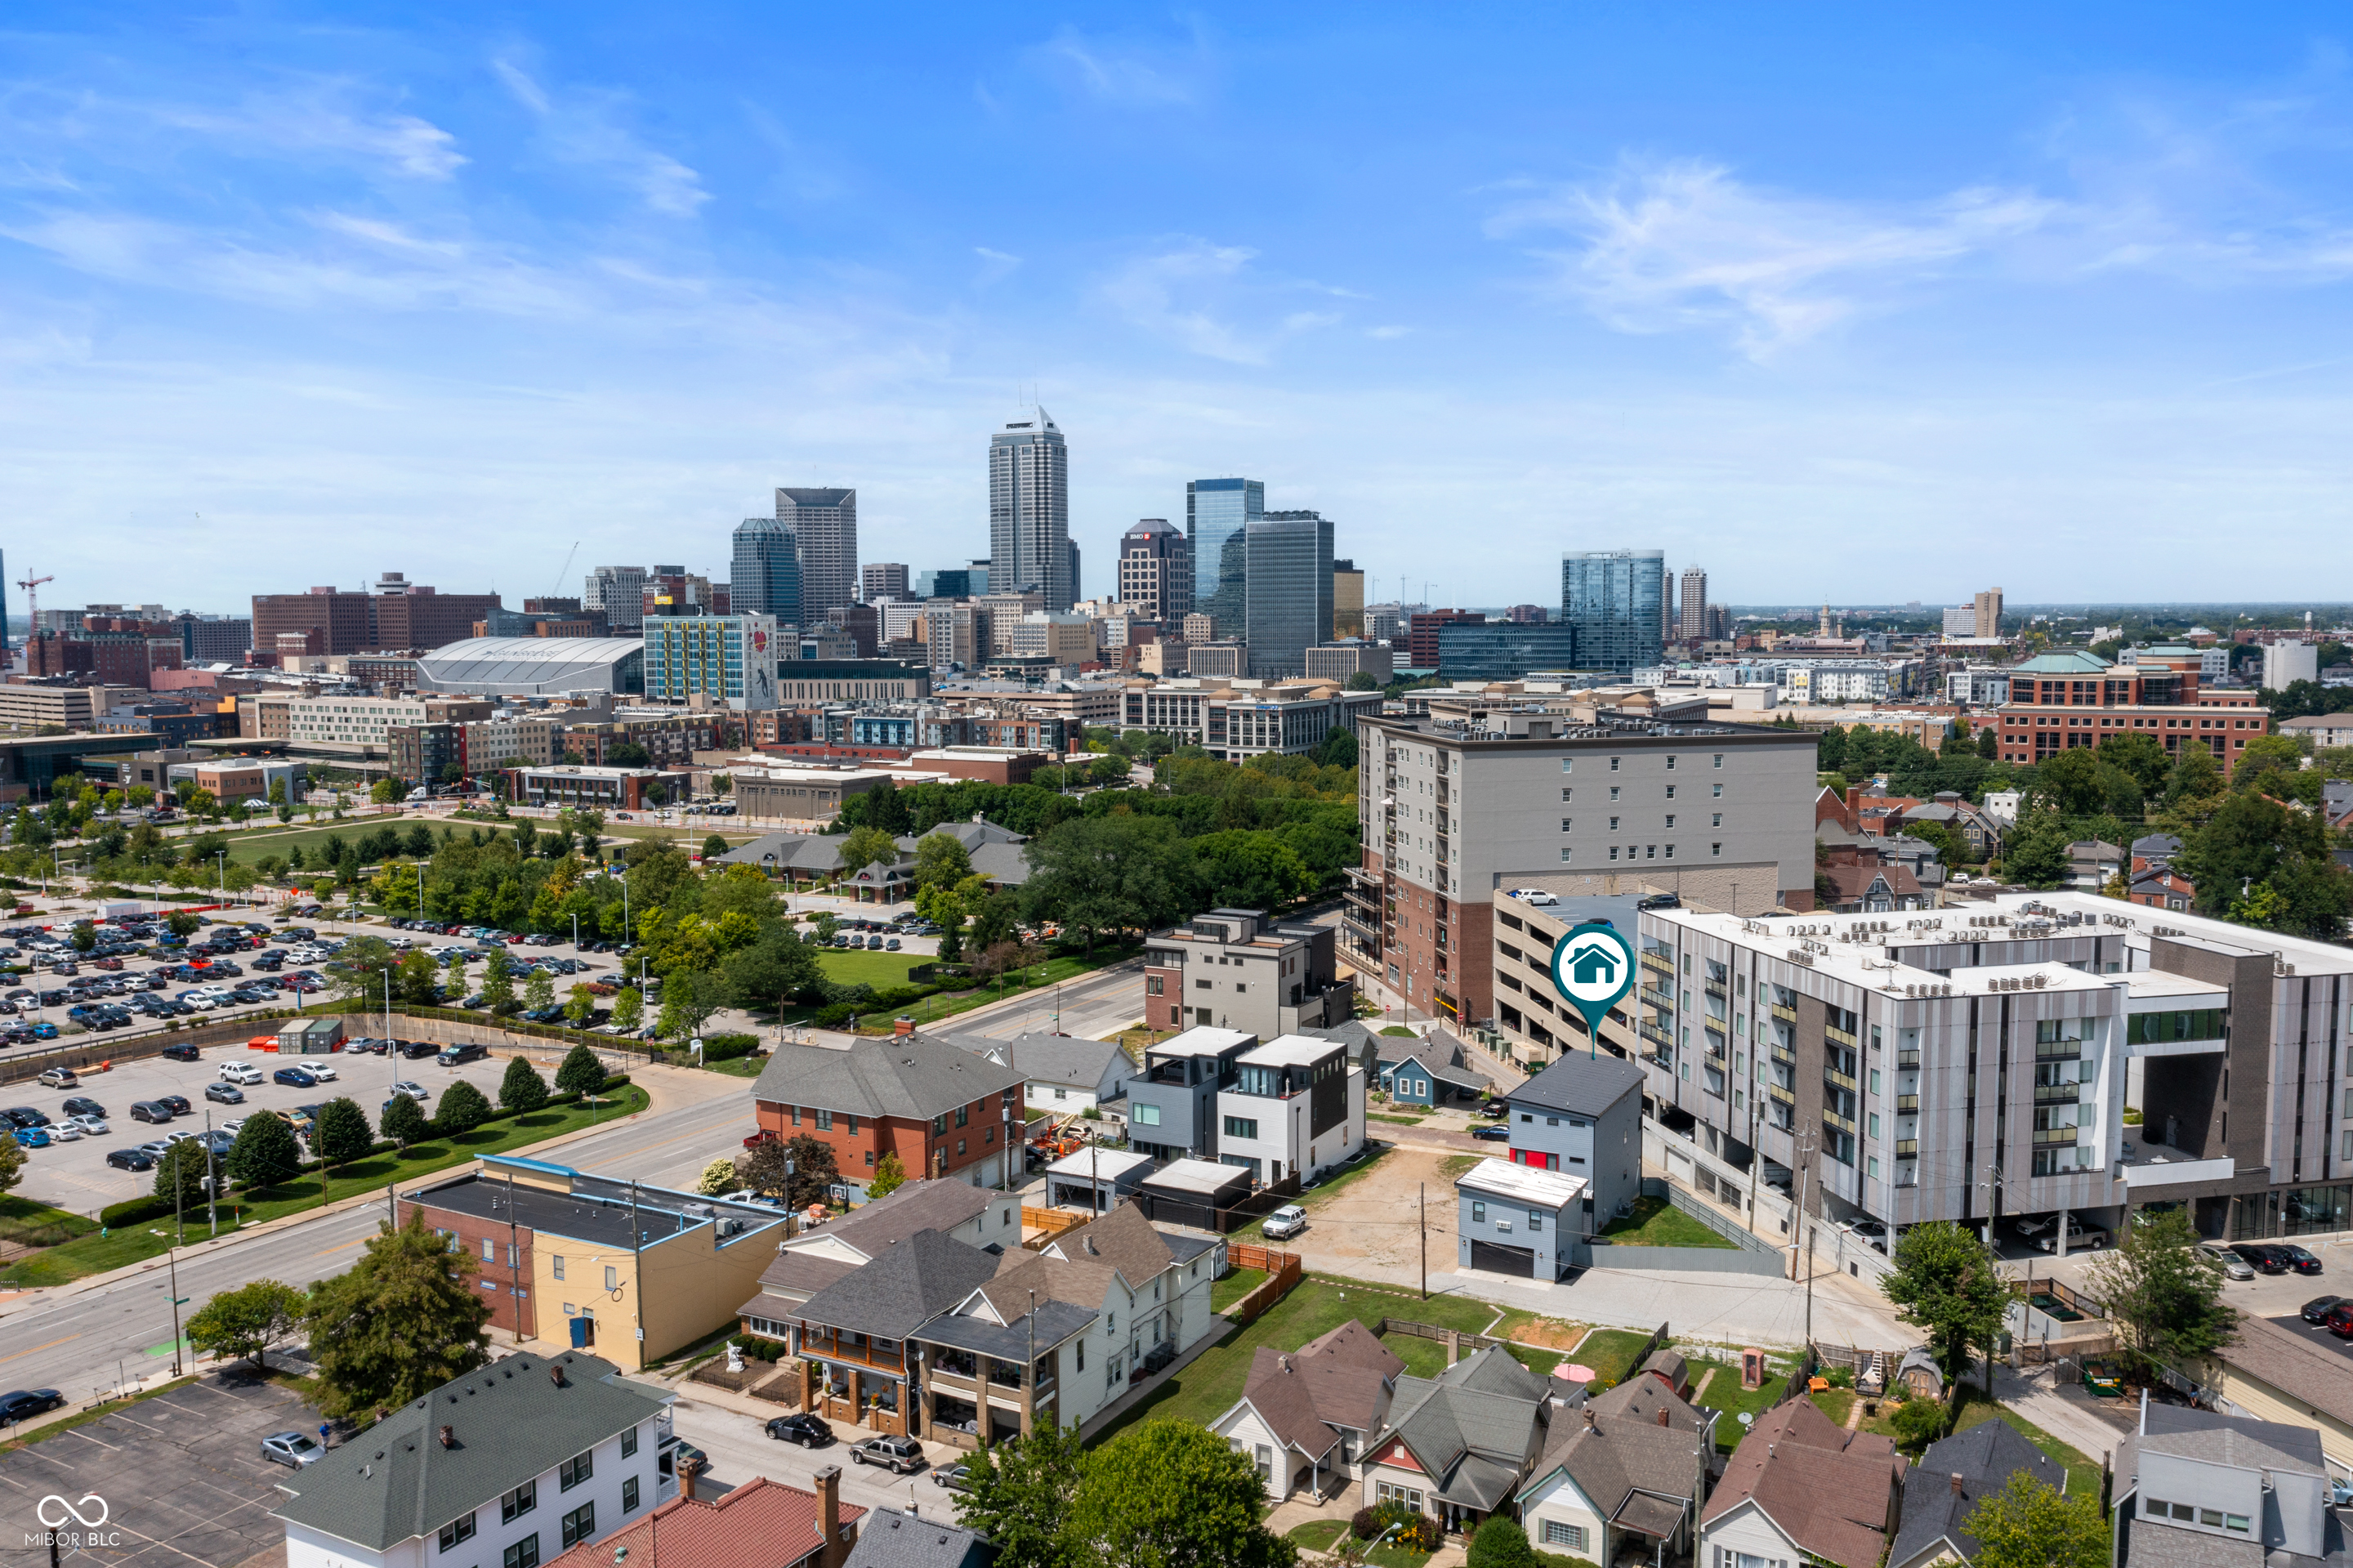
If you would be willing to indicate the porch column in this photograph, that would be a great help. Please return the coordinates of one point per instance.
(809, 1385)
(857, 1387)
(985, 1429)
(2062, 1243)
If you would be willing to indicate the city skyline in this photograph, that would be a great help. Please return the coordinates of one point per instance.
(1745, 289)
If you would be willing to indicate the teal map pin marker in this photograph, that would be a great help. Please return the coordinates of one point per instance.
(1593, 967)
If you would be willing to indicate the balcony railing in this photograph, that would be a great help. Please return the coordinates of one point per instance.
(1907, 1148)
(1659, 961)
(1844, 1124)
(1783, 1055)
(2059, 1051)
(1785, 1012)
(1907, 1058)
(2057, 1094)
(1780, 1093)
(1658, 996)
(1655, 1034)
(1840, 1035)
(1843, 1080)
(2051, 1135)
(1907, 1105)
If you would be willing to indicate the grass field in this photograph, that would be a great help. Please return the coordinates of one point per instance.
(1657, 1223)
(1610, 1352)
(1324, 1535)
(247, 845)
(38, 1224)
(877, 969)
(1237, 1284)
(90, 1254)
(1724, 1394)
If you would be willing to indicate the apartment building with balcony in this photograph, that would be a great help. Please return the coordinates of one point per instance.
(1480, 796)
(2059, 702)
(1975, 1063)
(1290, 1107)
(943, 1111)
(1172, 1105)
(1235, 969)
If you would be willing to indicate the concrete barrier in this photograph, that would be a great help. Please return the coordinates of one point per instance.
(1688, 1259)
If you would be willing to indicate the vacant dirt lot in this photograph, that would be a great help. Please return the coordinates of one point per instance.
(1366, 1224)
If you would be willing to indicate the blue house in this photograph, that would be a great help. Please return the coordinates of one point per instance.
(1427, 1071)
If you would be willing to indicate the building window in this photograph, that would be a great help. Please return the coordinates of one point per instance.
(1567, 764)
(1613, 764)
(1241, 1127)
(629, 1443)
(1536, 1220)
(1147, 1115)
(573, 1471)
(1718, 789)
(1478, 1212)
(457, 1529)
(579, 1525)
(559, 1265)
(1715, 849)
(523, 1553)
(825, 1121)
(518, 1502)
(612, 1277)
(1557, 1533)
(629, 1494)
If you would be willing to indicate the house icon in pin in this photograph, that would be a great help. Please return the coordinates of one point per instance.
(1595, 966)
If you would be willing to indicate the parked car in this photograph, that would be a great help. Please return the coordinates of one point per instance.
(224, 1094)
(91, 1126)
(903, 1455)
(33, 1137)
(800, 1427)
(2298, 1259)
(2316, 1310)
(241, 1073)
(151, 1110)
(458, 1055)
(414, 1091)
(179, 1103)
(955, 1478)
(2340, 1320)
(299, 1077)
(292, 1449)
(2234, 1266)
(1874, 1232)
(1492, 1134)
(2262, 1256)
(23, 1403)
(131, 1160)
(414, 1049)
(180, 1050)
(1285, 1221)
(58, 1078)
(2081, 1237)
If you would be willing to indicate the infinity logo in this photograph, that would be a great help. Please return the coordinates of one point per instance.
(66, 1511)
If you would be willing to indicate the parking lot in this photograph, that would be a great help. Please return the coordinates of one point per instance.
(76, 1177)
(180, 1478)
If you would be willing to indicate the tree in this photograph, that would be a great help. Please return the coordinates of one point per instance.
(180, 1174)
(1946, 1283)
(1168, 1494)
(182, 923)
(713, 847)
(951, 949)
(888, 1176)
(84, 936)
(688, 999)
(1918, 1423)
(462, 1109)
(384, 791)
(538, 991)
(940, 861)
(12, 1163)
(865, 847)
(1106, 874)
(717, 1177)
(343, 1134)
(406, 1320)
(1500, 1543)
(1362, 681)
(582, 1071)
(764, 974)
(498, 983)
(2037, 859)
(580, 1006)
(2163, 1289)
(403, 1121)
(265, 1151)
(1020, 1497)
(812, 1171)
(248, 1320)
(2028, 1525)
(523, 1090)
(629, 1010)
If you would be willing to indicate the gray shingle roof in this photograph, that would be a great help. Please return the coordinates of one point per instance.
(798, 1273)
(1984, 1457)
(1616, 1459)
(889, 1539)
(1052, 1058)
(2230, 1440)
(1472, 1428)
(815, 853)
(510, 1422)
(913, 1280)
(913, 1076)
(1339, 1379)
(1581, 1086)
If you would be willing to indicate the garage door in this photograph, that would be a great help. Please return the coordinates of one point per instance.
(1499, 1259)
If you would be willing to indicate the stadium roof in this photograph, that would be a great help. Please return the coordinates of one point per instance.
(535, 666)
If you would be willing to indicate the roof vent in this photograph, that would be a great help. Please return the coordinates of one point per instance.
(556, 1371)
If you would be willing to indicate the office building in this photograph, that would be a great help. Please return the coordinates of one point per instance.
(1029, 548)
(1617, 601)
(767, 572)
(2287, 662)
(620, 592)
(1061, 640)
(1287, 595)
(674, 590)
(1347, 600)
(2060, 701)
(1421, 638)
(410, 615)
(1989, 613)
(953, 582)
(882, 579)
(1217, 513)
(716, 660)
(1155, 571)
(1691, 606)
(825, 521)
(1562, 794)
(213, 639)
(1228, 659)
(1961, 622)
(1351, 656)
(1502, 650)
(1235, 723)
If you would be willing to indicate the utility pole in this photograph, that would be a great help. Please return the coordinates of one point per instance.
(1421, 1221)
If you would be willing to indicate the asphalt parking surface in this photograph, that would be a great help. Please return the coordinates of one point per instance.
(76, 1177)
(181, 1478)
(2295, 1324)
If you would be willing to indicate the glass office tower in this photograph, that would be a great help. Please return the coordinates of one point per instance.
(1287, 597)
(767, 576)
(1030, 512)
(1617, 601)
(1217, 511)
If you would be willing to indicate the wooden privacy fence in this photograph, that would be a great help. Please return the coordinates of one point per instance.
(1051, 1221)
(1463, 1340)
(1283, 1270)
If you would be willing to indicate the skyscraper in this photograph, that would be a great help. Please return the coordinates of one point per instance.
(1989, 613)
(882, 579)
(825, 523)
(1347, 600)
(1287, 595)
(1216, 513)
(1029, 512)
(768, 577)
(621, 593)
(1617, 601)
(1691, 606)
(1155, 571)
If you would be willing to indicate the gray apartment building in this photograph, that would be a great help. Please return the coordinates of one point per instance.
(1477, 796)
(1582, 1116)
(1172, 1108)
(1974, 1064)
(1235, 969)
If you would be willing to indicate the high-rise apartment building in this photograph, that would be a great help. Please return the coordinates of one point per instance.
(715, 661)
(1347, 600)
(393, 613)
(825, 522)
(1287, 599)
(213, 639)
(1155, 570)
(621, 593)
(1217, 513)
(1029, 547)
(768, 577)
(1617, 601)
(1691, 606)
(882, 579)
(1988, 616)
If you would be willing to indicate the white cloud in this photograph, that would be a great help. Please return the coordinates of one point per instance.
(581, 127)
(996, 266)
(1152, 291)
(1128, 74)
(1684, 244)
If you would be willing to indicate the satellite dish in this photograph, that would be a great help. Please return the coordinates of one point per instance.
(1749, 1418)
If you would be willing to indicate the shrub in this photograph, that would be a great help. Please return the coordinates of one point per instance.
(834, 1015)
(1363, 1525)
(134, 1211)
(1839, 1377)
(1918, 1423)
(727, 1047)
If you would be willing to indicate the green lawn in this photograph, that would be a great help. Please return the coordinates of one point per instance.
(1400, 1121)
(97, 1253)
(1401, 1032)
(1237, 1284)
(247, 845)
(877, 970)
(1724, 1394)
(38, 1224)
(1610, 1354)
(1324, 1535)
(1655, 1222)
(2082, 1473)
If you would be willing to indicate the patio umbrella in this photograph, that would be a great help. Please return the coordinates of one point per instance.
(1574, 1372)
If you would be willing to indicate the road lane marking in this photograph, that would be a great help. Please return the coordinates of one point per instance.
(36, 1349)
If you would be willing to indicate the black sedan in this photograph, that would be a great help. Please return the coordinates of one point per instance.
(2298, 1259)
(24, 1402)
(2262, 1257)
(179, 1103)
(180, 1052)
(802, 1428)
(130, 1160)
(1492, 1134)
(2316, 1309)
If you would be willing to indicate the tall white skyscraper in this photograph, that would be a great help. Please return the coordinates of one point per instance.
(825, 522)
(1691, 606)
(1029, 548)
(620, 592)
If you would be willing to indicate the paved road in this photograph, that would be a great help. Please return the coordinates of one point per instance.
(1089, 1007)
(77, 1339)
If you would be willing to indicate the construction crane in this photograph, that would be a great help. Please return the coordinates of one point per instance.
(565, 570)
(32, 601)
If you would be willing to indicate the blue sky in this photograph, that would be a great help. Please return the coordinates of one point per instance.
(1837, 302)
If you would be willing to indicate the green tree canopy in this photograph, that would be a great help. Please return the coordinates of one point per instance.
(521, 1090)
(868, 846)
(406, 1320)
(1105, 873)
(1168, 1494)
(778, 965)
(1021, 1496)
(462, 1109)
(248, 1320)
(582, 1071)
(403, 1121)
(265, 1151)
(180, 1175)
(941, 860)
(629, 1010)
(343, 1134)
(1947, 1286)
(2163, 1289)
(2028, 1525)
(1501, 1543)
(888, 1176)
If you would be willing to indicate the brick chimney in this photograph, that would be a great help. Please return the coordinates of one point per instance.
(1662, 1415)
(449, 1437)
(829, 1515)
(1956, 1485)
(686, 1470)
(903, 1026)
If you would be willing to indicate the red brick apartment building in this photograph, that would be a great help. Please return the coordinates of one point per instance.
(2059, 702)
(945, 1112)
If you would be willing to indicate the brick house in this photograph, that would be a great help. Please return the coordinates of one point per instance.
(945, 1112)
